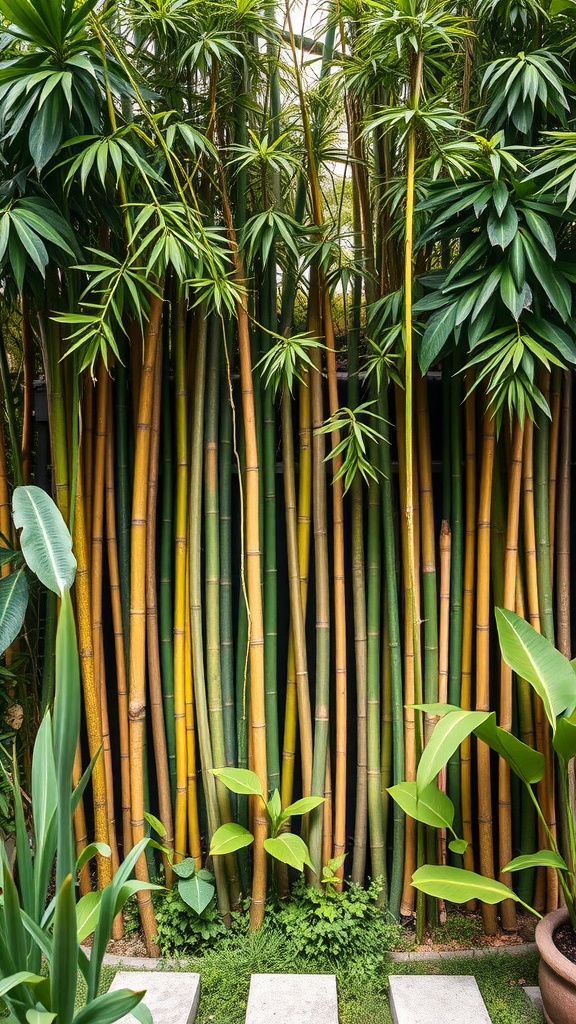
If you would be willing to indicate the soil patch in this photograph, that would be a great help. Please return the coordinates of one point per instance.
(565, 940)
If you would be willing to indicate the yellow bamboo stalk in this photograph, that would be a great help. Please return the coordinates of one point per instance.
(508, 907)
(119, 649)
(182, 654)
(555, 419)
(468, 615)
(485, 824)
(137, 677)
(339, 594)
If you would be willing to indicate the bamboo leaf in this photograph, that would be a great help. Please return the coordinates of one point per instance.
(45, 539)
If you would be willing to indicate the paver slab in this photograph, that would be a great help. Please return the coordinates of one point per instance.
(171, 996)
(292, 999)
(436, 999)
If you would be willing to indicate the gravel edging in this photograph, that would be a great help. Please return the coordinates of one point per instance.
(157, 964)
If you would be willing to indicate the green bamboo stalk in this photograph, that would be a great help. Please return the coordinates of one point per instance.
(456, 586)
(394, 644)
(214, 800)
(226, 614)
(541, 512)
(123, 491)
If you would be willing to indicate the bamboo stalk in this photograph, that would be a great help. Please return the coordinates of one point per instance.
(152, 635)
(137, 670)
(505, 845)
(119, 649)
(468, 592)
(339, 584)
(563, 547)
(166, 590)
(485, 824)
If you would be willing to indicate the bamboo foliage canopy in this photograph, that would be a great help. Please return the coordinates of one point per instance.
(303, 309)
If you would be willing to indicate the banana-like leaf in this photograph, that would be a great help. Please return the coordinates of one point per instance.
(431, 806)
(460, 886)
(564, 739)
(40, 1017)
(303, 806)
(534, 658)
(289, 849)
(90, 851)
(446, 737)
(45, 538)
(239, 780)
(526, 762)
(13, 605)
(542, 859)
(229, 838)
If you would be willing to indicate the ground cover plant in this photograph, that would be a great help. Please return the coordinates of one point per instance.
(299, 300)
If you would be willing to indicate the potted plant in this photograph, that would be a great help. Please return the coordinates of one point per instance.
(553, 677)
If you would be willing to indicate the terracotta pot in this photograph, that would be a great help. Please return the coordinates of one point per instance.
(557, 975)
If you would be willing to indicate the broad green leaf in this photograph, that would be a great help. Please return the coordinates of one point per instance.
(13, 605)
(44, 797)
(501, 230)
(196, 892)
(40, 1017)
(229, 838)
(65, 730)
(564, 739)
(239, 780)
(438, 330)
(303, 806)
(458, 846)
(46, 131)
(155, 823)
(130, 888)
(289, 849)
(87, 914)
(274, 807)
(460, 886)
(110, 1007)
(446, 738)
(64, 967)
(526, 762)
(431, 806)
(90, 851)
(534, 659)
(45, 539)
(184, 868)
(542, 859)
(20, 978)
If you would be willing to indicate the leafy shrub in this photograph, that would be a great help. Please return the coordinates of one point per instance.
(182, 932)
(337, 924)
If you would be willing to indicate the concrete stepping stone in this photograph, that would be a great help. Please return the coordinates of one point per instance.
(171, 996)
(292, 999)
(436, 999)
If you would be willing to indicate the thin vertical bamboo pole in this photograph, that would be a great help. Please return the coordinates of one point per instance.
(181, 610)
(508, 907)
(555, 419)
(137, 670)
(563, 547)
(485, 824)
(152, 635)
(468, 591)
(340, 653)
(166, 588)
(117, 626)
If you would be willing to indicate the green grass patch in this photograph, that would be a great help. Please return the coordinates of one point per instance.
(362, 983)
